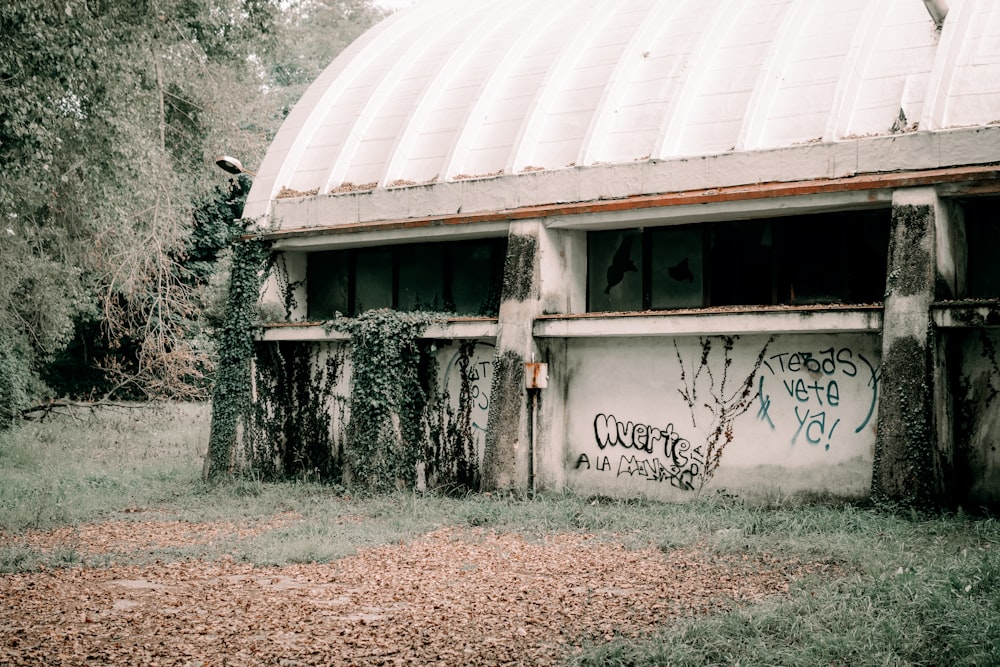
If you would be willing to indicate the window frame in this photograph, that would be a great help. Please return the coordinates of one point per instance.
(447, 273)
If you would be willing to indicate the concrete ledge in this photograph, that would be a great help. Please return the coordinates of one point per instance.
(831, 161)
(712, 322)
(966, 314)
(456, 329)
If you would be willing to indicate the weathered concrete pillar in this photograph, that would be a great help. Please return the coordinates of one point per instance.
(912, 446)
(506, 455)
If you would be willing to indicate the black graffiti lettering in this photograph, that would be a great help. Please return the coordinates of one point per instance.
(829, 364)
(610, 432)
(605, 430)
(629, 465)
(679, 449)
(844, 359)
(640, 436)
(654, 471)
(683, 462)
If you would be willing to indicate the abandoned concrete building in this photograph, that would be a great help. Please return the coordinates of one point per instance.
(687, 246)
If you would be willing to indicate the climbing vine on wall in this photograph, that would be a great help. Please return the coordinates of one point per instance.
(453, 461)
(711, 392)
(289, 431)
(235, 349)
(392, 378)
(283, 410)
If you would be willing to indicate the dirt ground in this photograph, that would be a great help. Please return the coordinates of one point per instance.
(451, 597)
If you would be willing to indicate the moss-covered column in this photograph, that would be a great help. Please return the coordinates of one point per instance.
(506, 454)
(908, 449)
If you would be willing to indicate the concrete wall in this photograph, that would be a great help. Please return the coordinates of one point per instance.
(977, 410)
(671, 417)
(895, 399)
(292, 398)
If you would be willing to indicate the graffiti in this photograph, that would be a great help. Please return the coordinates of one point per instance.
(683, 462)
(611, 432)
(721, 403)
(751, 402)
(814, 383)
(472, 375)
(654, 471)
(601, 462)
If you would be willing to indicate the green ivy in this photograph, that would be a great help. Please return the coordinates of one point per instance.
(288, 432)
(280, 400)
(392, 378)
(231, 397)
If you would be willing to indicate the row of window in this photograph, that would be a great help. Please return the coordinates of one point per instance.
(812, 259)
(460, 277)
(828, 258)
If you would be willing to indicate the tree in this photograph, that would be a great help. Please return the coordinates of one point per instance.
(110, 117)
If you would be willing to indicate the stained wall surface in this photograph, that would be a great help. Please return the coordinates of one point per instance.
(669, 417)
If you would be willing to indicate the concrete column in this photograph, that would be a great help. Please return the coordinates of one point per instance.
(506, 452)
(912, 448)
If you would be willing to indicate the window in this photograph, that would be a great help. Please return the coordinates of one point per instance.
(639, 269)
(982, 234)
(463, 277)
(825, 258)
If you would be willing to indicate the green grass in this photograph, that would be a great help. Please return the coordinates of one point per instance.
(68, 469)
(917, 591)
(913, 590)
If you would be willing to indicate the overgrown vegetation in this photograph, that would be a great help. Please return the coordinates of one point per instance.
(292, 426)
(905, 589)
(231, 398)
(368, 414)
(393, 376)
(111, 115)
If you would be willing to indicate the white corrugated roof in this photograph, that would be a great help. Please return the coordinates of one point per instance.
(451, 89)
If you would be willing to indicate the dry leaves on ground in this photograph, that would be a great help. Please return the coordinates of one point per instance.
(126, 537)
(451, 597)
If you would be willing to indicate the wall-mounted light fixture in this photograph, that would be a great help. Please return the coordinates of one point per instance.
(231, 165)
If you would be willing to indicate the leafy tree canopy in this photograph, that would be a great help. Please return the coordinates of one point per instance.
(111, 114)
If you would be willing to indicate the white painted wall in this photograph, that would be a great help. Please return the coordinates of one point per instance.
(808, 421)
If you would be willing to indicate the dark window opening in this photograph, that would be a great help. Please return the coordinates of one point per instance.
(982, 235)
(797, 260)
(462, 277)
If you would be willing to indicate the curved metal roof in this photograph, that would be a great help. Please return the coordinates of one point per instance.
(452, 89)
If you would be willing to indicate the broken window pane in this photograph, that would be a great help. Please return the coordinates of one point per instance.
(742, 263)
(815, 259)
(475, 277)
(463, 277)
(421, 278)
(614, 266)
(982, 232)
(677, 267)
